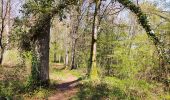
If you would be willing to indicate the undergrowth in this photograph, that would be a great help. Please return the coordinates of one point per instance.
(111, 88)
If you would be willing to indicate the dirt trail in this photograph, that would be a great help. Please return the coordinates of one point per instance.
(66, 89)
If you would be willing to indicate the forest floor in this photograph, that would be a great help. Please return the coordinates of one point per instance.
(67, 85)
(64, 84)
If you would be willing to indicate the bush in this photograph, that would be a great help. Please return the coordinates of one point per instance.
(11, 85)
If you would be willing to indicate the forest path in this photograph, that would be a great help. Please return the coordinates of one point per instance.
(67, 86)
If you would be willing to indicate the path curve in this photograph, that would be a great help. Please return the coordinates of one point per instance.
(66, 89)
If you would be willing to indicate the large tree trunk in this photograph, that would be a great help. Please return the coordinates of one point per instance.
(92, 71)
(40, 65)
(5, 12)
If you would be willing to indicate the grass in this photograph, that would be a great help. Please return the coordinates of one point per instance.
(57, 74)
(39, 94)
(112, 88)
(78, 72)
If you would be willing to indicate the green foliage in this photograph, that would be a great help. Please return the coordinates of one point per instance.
(123, 57)
(42, 93)
(116, 89)
(38, 6)
(11, 83)
(94, 72)
(12, 58)
(11, 89)
(142, 18)
(19, 37)
(83, 58)
(33, 81)
(129, 66)
(56, 49)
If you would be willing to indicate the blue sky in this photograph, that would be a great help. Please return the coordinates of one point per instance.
(16, 6)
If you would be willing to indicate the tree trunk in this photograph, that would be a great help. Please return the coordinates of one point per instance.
(1, 45)
(8, 23)
(55, 57)
(40, 63)
(1, 51)
(73, 65)
(55, 53)
(1, 31)
(75, 27)
(92, 71)
(66, 57)
(59, 58)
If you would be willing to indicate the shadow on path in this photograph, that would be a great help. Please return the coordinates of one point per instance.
(66, 90)
(68, 85)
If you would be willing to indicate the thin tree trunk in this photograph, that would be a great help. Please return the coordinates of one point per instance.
(137, 2)
(2, 51)
(73, 65)
(1, 47)
(76, 22)
(8, 23)
(92, 71)
(59, 58)
(55, 57)
(66, 58)
(2, 30)
(55, 53)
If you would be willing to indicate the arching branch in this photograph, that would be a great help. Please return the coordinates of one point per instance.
(143, 20)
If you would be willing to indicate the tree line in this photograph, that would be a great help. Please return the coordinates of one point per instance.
(86, 21)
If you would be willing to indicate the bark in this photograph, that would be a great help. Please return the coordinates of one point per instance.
(2, 30)
(75, 26)
(3, 16)
(55, 57)
(55, 53)
(73, 65)
(2, 51)
(8, 23)
(41, 38)
(92, 70)
(66, 57)
(59, 58)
